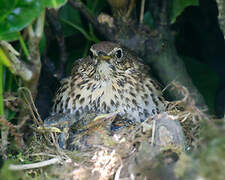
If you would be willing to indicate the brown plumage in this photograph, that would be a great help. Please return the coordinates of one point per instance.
(113, 79)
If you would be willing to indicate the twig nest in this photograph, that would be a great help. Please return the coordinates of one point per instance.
(168, 131)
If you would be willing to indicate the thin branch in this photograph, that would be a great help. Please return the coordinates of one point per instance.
(4, 143)
(130, 8)
(40, 25)
(32, 106)
(18, 67)
(30, 30)
(14, 167)
(6, 127)
(9, 47)
(24, 47)
(102, 28)
(153, 133)
(142, 11)
(117, 174)
(43, 154)
(35, 36)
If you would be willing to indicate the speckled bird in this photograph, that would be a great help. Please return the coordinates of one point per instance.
(111, 79)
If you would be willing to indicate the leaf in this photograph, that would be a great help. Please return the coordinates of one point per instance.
(42, 44)
(178, 6)
(148, 19)
(17, 14)
(9, 114)
(54, 3)
(4, 59)
(96, 6)
(204, 78)
(9, 36)
(72, 15)
(1, 90)
(80, 29)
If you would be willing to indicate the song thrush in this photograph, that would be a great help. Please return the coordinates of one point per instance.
(112, 79)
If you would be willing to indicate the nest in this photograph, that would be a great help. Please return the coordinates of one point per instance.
(153, 149)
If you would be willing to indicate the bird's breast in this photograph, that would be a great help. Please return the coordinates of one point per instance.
(136, 98)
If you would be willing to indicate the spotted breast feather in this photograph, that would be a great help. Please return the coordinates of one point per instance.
(112, 79)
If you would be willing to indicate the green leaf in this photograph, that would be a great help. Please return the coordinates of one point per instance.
(9, 36)
(72, 15)
(42, 44)
(81, 30)
(96, 6)
(178, 6)
(204, 78)
(9, 114)
(1, 91)
(23, 45)
(17, 14)
(4, 59)
(55, 3)
(148, 19)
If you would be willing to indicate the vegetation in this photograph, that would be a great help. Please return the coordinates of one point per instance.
(39, 41)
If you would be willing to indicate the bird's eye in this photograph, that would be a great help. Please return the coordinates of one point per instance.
(119, 53)
(101, 53)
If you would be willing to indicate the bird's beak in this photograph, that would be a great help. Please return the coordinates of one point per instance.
(104, 57)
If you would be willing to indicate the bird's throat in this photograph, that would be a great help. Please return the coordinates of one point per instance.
(104, 71)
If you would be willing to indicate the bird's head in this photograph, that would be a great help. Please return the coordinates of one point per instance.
(111, 58)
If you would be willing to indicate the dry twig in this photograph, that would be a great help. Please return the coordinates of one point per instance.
(55, 160)
(142, 11)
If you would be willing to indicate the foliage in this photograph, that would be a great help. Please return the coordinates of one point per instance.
(1, 92)
(179, 5)
(55, 3)
(17, 15)
(4, 59)
(202, 77)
